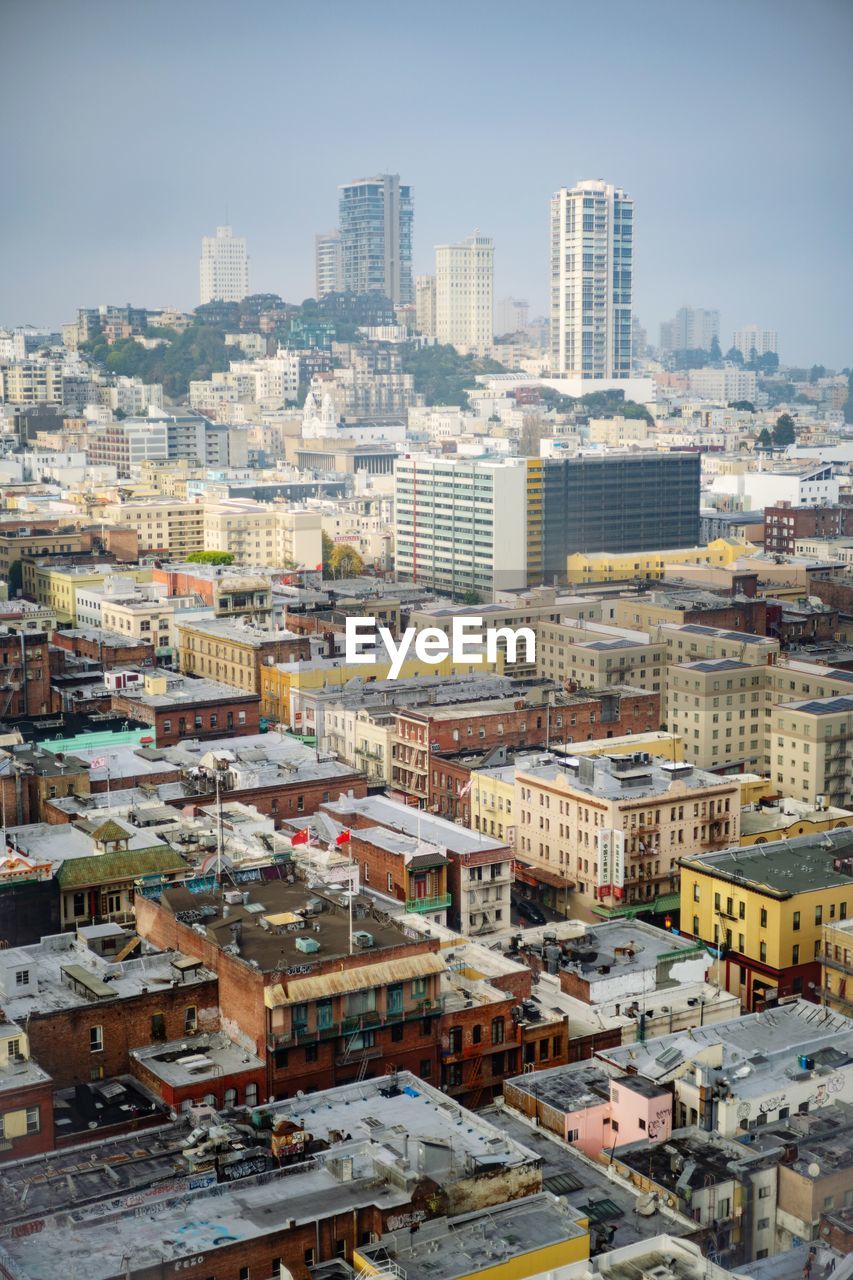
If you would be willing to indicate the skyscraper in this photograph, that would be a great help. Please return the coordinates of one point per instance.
(328, 265)
(692, 329)
(592, 228)
(224, 267)
(376, 237)
(464, 294)
(752, 341)
(425, 305)
(510, 315)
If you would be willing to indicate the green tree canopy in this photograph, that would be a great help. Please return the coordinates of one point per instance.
(211, 557)
(785, 431)
(765, 440)
(442, 375)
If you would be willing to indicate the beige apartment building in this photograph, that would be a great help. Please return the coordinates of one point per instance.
(591, 655)
(836, 966)
(140, 619)
(234, 651)
(264, 533)
(717, 708)
(690, 641)
(607, 832)
(362, 737)
(811, 750)
(162, 524)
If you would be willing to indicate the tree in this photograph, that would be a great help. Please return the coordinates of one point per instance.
(765, 440)
(345, 561)
(211, 557)
(735, 356)
(328, 548)
(471, 597)
(785, 431)
(817, 372)
(444, 376)
(715, 354)
(745, 405)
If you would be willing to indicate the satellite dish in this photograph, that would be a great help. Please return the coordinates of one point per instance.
(814, 1169)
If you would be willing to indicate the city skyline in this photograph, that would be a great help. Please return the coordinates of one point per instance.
(695, 177)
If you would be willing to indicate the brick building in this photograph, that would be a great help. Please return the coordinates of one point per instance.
(402, 867)
(785, 523)
(319, 1010)
(177, 707)
(27, 663)
(107, 648)
(479, 869)
(209, 1068)
(82, 1027)
(26, 1097)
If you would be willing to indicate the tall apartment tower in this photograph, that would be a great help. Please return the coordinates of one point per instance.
(692, 329)
(224, 267)
(425, 305)
(464, 299)
(511, 315)
(753, 340)
(328, 263)
(592, 237)
(376, 237)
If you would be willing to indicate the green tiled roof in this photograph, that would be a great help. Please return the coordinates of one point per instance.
(108, 868)
(110, 831)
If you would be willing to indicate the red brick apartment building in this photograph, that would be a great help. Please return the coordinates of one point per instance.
(319, 1013)
(784, 524)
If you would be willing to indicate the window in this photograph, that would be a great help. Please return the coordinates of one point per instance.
(763, 1224)
(697, 894)
(426, 1068)
(397, 1030)
(311, 1053)
(764, 917)
(763, 1193)
(79, 904)
(762, 952)
(190, 1019)
(251, 1094)
(497, 1030)
(22, 977)
(158, 1026)
(818, 915)
(795, 954)
(795, 923)
(324, 1014)
(96, 1039)
(230, 1099)
(477, 1034)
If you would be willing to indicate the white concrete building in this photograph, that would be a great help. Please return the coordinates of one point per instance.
(461, 526)
(464, 293)
(798, 484)
(592, 228)
(425, 305)
(511, 315)
(752, 340)
(724, 385)
(328, 263)
(224, 267)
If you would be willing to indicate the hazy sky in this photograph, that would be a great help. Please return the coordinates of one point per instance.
(132, 129)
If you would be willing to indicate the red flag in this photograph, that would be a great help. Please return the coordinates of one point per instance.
(343, 838)
(301, 837)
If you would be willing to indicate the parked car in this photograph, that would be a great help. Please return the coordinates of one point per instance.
(530, 911)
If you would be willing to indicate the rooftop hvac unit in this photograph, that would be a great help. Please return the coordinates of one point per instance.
(309, 944)
(362, 938)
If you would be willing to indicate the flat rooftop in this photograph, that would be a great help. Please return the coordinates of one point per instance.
(196, 1059)
(759, 1051)
(237, 632)
(472, 1242)
(783, 867)
(386, 812)
(189, 692)
(274, 915)
(69, 975)
(621, 778)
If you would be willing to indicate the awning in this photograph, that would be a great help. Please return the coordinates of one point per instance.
(360, 978)
(656, 906)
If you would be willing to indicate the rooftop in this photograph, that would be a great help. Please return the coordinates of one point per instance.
(757, 1053)
(580, 1085)
(196, 1059)
(239, 632)
(803, 864)
(479, 1241)
(188, 691)
(623, 777)
(68, 974)
(273, 917)
(386, 812)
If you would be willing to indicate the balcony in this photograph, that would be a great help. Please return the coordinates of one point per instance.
(373, 1020)
(436, 903)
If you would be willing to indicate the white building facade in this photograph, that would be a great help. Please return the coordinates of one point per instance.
(224, 267)
(464, 300)
(592, 230)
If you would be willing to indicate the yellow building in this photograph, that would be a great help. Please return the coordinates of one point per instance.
(717, 705)
(594, 655)
(783, 818)
(836, 967)
(607, 566)
(765, 907)
(537, 1235)
(283, 684)
(55, 587)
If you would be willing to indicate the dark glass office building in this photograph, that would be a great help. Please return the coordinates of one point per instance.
(618, 502)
